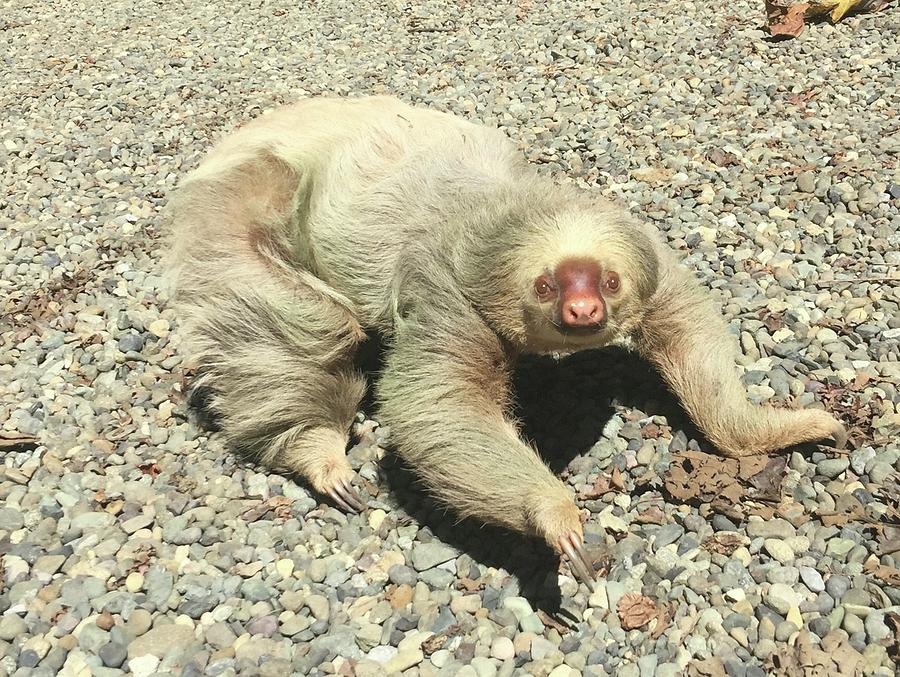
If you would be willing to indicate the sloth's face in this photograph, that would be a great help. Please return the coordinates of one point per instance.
(575, 305)
(577, 295)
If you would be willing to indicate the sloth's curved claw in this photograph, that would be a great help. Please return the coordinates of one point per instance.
(571, 547)
(346, 497)
(839, 435)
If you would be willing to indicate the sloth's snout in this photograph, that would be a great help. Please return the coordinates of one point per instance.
(583, 311)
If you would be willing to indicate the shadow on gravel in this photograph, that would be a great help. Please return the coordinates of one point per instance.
(563, 406)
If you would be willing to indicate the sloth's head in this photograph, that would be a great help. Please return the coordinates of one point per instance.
(582, 276)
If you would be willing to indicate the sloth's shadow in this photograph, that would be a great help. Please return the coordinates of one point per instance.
(562, 406)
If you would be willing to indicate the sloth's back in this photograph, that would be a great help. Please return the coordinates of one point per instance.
(362, 181)
(390, 180)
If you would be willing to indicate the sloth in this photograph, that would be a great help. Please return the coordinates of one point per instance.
(322, 222)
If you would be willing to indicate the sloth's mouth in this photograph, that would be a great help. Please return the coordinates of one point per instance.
(585, 330)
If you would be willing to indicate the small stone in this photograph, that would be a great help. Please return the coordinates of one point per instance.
(12, 627)
(531, 623)
(429, 555)
(610, 522)
(778, 550)
(92, 638)
(220, 635)
(806, 182)
(293, 625)
(28, 659)
(376, 517)
(159, 640)
(318, 606)
(402, 575)
(832, 467)
(880, 471)
(49, 564)
(284, 567)
(838, 548)
(781, 597)
(540, 647)
(403, 660)
(666, 534)
(812, 579)
(130, 343)
(134, 581)
(465, 603)
(381, 654)
(136, 523)
(853, 624)
(483, 666)
(784, 630)
(774, 528)
(820, 626)
(598, 598)
(265, 625)
(876, 629)
(113, 654)
(159, 328)
(502, 649)
(143, 666)
(139, 622)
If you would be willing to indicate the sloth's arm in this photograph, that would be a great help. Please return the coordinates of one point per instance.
(686, 337)
(444, 394)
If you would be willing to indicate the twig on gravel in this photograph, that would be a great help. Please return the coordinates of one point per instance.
(883, 278)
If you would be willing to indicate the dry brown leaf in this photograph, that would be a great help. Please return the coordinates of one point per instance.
(635, 610)
(888, 574)
(280, 505)
(708, 667)
(663, 619)
(616, 481)
(470, 585)
(550, 621)
(435, 642)
(892, 619)
(786, 19)
(698, 478)
(725, 542)
(150, 469)
(601, 486)
(835, 657)
(651, 515)
(722, 158)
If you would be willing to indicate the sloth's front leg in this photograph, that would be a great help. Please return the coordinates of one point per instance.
(686, 337)
(443, 392)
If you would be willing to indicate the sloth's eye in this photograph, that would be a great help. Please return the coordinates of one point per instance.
(544, 288)
(612, 282)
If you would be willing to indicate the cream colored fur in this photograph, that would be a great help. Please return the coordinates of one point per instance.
(329, 218)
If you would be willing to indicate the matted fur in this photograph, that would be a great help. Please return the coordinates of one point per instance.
(331, 217)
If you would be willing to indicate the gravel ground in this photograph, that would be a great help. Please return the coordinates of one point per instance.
(132, 541)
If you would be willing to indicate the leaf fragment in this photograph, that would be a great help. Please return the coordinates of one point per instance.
(636, 610)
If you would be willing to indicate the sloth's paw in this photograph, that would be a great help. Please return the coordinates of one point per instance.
(343, 493)
(554, 515)
(571, 547)
(333, 477)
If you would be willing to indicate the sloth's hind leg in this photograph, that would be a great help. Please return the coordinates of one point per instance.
(278, 362)
(274, 343)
